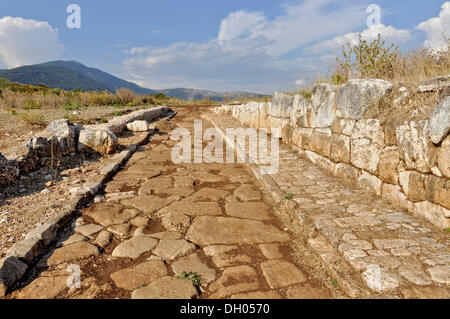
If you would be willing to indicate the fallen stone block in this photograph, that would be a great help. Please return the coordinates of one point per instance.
(11, 270)
(97, 139)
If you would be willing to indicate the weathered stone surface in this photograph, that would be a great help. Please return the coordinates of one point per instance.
(306, 291)
(155, 184)
(439, 123)
(48, 287)
(104, 238)
(75, 238)
(121, 230)
(321, 161)
(194, 264)
(97, 139)
(220, 230)
(88, 230)
(193, 209)
(324, 104)
(340, 148)
(436, 214)
(379, 280)
(369, 129)
(320, 142)
(66, 134)
(280, 274)
(140, 275)
(138, 126)
(167, 288)
(11, 270)
(206, 194)
(370, 183)
(415, 148)
(76, 251)
(413, 185)
(388, 166)
(247, 193)
(394, 194)
(347, 172)
(437, 190)
(217, 249)
(107, 214)
(135, 247)
(170, 249)
(234, 280)
(444, 157)
(258, 295)
(118, 124)
(355, 97)
(176, 222)
(250, 210)
(148, 204)
(167, 235)
(271, 251)
(365, 155)
(440, 274)
(230, 259)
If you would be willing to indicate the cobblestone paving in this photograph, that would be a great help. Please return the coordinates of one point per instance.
(158, 223)
(393, 252)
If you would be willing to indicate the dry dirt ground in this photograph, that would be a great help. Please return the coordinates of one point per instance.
(158, 221)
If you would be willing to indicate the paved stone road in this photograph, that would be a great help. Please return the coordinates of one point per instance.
(158, 220)
(396, 254)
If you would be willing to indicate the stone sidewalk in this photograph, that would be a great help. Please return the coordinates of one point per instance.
(360, 236)
(162, 230)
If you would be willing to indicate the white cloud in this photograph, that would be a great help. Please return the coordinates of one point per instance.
(388, 33)
(437, 29)
(240, 24)
(251, 52)
(27, 42)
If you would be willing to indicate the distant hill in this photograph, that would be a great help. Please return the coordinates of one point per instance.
(71, 75)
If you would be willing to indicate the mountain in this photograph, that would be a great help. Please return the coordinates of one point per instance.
(71, 75)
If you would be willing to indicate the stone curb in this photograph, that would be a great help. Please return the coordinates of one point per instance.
(21, 254)
(319, 245)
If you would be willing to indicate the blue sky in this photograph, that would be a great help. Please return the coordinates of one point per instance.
(251, 45)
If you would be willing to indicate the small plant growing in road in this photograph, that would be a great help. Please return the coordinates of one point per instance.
(335, 283)
(192, 276)
(289, 196)
(448, 230)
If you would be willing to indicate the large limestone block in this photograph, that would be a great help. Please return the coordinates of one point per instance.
(66, 134)
(355, 97)
(415, 148)
(340, 148)
(324, 104)
(444, 157)
(98, 139)
(11, 270)
(436, 214)
(281, 105)
(388, 166)
(437, 190)
(366, 155)
(138, 126)
(413, 185)
(321, 142)
(347, 172)
(277, 125)
(299, 108)
(439, 123)
(370, 182)
(301, 137)
(370, 129)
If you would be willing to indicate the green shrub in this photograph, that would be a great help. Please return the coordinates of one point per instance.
(369, 60)
(31, 105)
